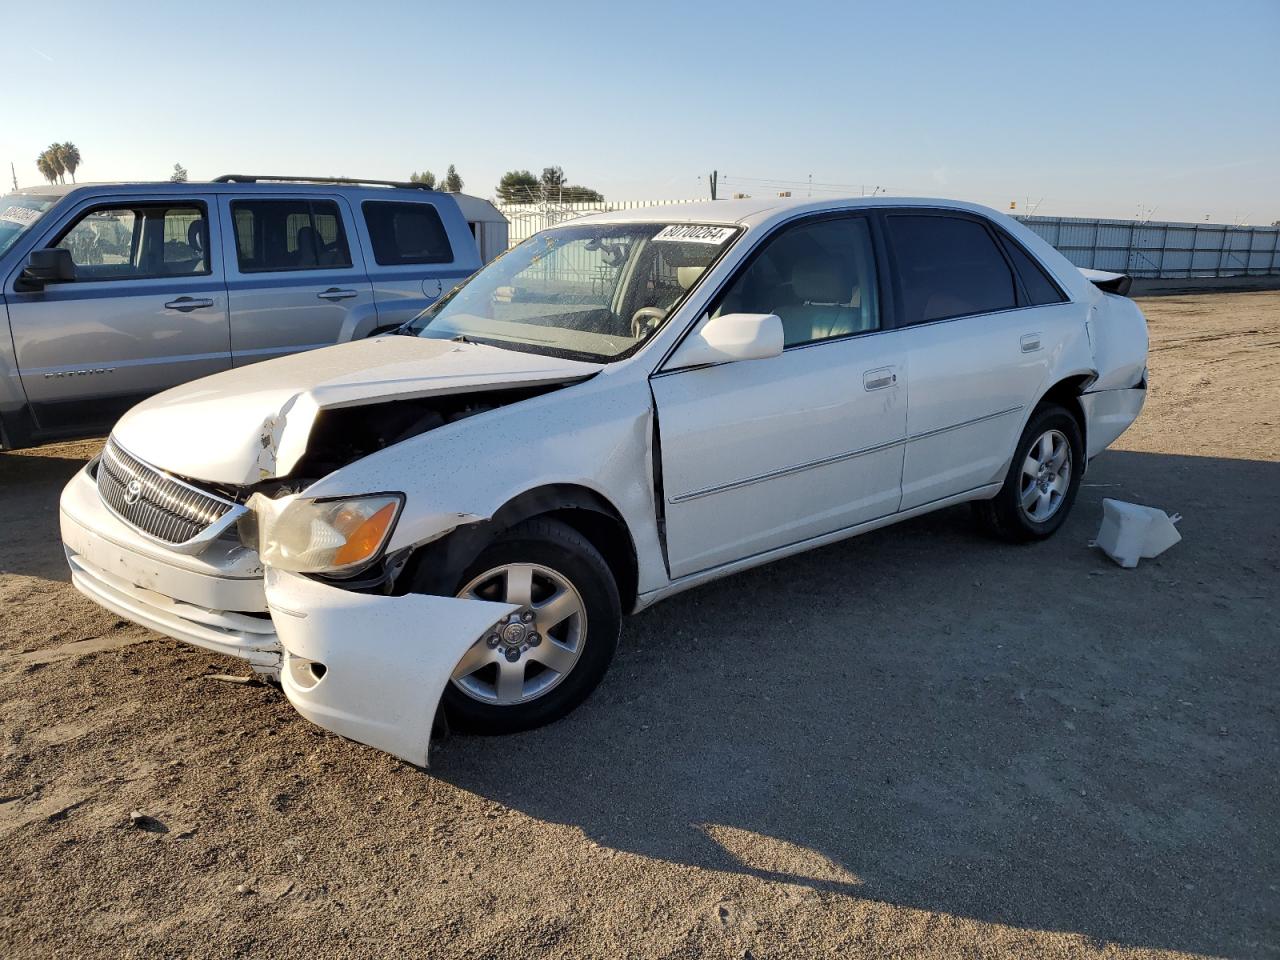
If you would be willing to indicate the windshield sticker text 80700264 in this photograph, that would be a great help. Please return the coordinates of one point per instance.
(694, 233)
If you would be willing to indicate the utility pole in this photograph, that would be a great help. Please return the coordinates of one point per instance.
(714, 179)
(14, 174)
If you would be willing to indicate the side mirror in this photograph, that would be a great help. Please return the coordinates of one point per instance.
(729, 337)
(47, 266)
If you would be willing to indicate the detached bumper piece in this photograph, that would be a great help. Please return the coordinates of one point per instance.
(372, 668)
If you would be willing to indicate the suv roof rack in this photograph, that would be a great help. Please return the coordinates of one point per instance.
(258, 178)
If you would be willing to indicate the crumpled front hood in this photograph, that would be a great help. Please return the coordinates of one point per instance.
(252, 423)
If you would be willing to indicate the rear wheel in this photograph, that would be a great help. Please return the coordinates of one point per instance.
(537, 665)
(1042, 481)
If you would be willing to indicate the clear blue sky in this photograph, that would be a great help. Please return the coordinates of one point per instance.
(1093, 108)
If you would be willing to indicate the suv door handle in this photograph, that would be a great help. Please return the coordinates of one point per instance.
(1030, 342)
(879, 378)
(187, 304)
(333, 294)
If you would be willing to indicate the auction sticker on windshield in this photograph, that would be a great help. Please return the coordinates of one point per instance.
(694, 233)
(20, 215)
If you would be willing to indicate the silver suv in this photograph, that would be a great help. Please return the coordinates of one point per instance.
(114, 292)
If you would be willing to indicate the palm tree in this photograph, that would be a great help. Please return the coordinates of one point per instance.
(46, 168)
(70, 154)
(54, 153)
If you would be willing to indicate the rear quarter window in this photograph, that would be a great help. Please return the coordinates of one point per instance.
(404, 233)
(1037, 283)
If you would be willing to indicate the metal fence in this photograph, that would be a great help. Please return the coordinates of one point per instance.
(1138, 248)
(1164, 250)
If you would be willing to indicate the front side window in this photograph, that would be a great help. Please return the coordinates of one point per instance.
(819, 277)
(949, 267)
(273, 235)
(406, 233)
(139, 242)
(590, 291)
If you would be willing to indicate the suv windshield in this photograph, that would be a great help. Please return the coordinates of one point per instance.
(593, 291)
(17, 213)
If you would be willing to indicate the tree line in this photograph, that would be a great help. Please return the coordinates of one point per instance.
(57, 161)
(521, 186)
(452, 183)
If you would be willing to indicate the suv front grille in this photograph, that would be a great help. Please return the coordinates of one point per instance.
(157, 504)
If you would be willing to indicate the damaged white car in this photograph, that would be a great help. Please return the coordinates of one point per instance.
(620, 408)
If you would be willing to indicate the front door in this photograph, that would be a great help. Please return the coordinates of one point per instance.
(147, 310)
(295, 276)
(761, 454)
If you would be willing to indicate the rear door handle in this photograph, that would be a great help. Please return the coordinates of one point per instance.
(1030, 342)
(879, 378)
(333, 293)
(187, 304)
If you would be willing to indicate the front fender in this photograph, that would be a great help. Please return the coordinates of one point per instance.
(368, 667)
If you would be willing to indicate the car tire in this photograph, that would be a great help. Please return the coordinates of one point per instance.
(561, 560)
(1036, 498)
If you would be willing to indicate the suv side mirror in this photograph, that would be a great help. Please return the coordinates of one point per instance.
(47, 266)
(729, 337)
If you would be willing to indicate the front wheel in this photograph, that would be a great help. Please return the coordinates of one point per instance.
(1042, 481)
(537, 665)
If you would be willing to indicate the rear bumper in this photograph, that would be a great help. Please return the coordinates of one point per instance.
(215, 600)
(1109, 413)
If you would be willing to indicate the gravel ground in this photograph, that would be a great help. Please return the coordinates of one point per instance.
(915, 743)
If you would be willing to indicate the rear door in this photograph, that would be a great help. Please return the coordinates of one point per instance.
(296, 279)
(413, 258)
(147, 310)
(980, 348)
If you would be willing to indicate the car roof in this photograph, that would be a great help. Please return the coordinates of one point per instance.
(756, 212)
(238, 187)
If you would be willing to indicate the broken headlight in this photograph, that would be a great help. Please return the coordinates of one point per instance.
(324, 536)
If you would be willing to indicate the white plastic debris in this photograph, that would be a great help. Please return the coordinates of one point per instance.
(1131, 532)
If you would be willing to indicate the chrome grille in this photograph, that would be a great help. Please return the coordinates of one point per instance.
(157, 504)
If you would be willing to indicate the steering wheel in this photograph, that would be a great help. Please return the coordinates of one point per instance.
(645, 320)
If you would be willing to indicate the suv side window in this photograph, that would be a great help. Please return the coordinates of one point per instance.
(1038, 285)
(406, 233)
(274, 235)
(949, 267)
(139, 241)
(819, 277)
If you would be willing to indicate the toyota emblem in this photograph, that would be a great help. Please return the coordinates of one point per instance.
(133, 492)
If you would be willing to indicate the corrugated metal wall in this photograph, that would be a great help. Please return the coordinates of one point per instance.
(1140, 249)
(1165, 250)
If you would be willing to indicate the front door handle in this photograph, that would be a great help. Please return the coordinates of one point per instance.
(1030, 342)
(334, 294)
(187, 304)
(879, 378)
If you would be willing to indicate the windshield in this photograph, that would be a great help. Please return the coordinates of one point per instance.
(17, 213)
(592, 292)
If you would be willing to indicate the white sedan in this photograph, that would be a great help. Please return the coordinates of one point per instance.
(618, 409)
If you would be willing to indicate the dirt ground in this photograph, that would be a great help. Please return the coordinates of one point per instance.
(914, 743)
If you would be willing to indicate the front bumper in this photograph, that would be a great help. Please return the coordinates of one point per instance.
(214, 600)
(370, 668)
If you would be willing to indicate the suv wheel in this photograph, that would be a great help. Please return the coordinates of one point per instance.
(1042, 481)
(545, 659)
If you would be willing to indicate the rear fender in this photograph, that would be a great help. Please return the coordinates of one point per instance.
(1118, 336)
(368, 667)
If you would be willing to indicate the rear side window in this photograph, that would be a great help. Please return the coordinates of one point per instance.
(406, 233)
(289, 235)
(138, 242)
(949, 267)
(1036, 282)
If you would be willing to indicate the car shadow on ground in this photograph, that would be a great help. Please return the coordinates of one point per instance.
(1024, 735)
(30, 484)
